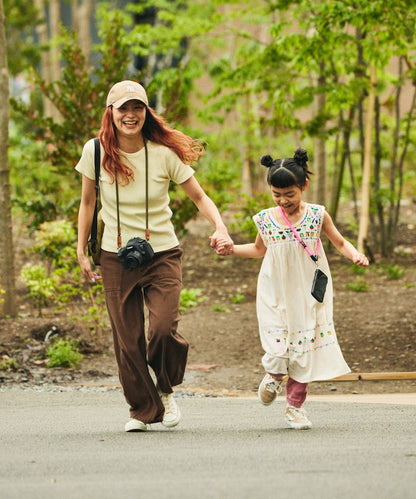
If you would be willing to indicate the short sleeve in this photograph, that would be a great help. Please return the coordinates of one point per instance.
(177, 171)
(85, 165)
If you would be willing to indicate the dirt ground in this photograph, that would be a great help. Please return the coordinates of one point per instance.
(376, 327)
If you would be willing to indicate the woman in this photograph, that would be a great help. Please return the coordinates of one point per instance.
(131, 137)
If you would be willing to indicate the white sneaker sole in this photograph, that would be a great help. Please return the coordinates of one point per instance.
(135, 425)
(298, 426)
(174, 422)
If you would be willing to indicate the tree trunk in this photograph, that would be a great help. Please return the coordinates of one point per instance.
(320, 169)
(365, 189)
(54, 51)
(319, 148)
(83, 24)
(345, 126)
(6, 245)
(42, 33)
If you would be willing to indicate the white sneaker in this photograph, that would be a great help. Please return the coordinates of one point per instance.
(172, 414)
(135, 425)
(268, 390)
(296, 418)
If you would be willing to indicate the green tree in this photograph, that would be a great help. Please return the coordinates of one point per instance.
(79, 95)
(325, 49)
(6, 246)
(23, 53)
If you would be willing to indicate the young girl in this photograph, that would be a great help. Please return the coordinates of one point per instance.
(297, 332)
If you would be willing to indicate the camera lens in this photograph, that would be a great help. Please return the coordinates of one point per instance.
(133, 260)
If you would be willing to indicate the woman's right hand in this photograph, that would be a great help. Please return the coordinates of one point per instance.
(86, 268)
(224, 247)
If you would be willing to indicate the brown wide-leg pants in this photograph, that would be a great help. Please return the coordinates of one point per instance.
(157, 284)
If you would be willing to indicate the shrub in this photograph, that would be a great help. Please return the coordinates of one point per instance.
(41, 287)
(190, 298)
(64, 353)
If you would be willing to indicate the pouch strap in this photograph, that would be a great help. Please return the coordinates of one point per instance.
(302, 242)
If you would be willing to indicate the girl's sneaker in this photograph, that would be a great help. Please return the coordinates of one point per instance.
(268, 390)
(296, 418)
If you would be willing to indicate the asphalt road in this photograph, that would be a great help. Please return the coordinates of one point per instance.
(72, 445)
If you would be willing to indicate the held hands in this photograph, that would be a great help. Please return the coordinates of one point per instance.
(222, 243)
(223, 247)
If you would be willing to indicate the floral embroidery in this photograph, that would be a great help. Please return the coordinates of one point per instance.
(308, 228)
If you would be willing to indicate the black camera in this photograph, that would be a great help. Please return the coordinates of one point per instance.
(136, 252)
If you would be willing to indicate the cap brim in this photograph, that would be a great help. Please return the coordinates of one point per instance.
(118, 103)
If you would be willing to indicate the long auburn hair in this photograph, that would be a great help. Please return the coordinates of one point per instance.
(154, 129)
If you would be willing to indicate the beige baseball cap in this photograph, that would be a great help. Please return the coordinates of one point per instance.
(126, 90)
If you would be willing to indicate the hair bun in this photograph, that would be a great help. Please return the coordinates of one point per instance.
(266, 160)
(300, 156)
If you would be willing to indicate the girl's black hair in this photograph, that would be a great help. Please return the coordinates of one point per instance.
(286, 172)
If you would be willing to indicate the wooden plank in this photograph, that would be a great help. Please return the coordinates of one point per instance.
(376, 376)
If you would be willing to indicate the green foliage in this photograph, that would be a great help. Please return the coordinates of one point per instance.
(220, 308)
(394, 272)
(79, 96)
(95, 317)
(218, 170)
(284, 54)
(64, 353)
(244, 216)
(359, 285)
(22, 51)
(190, 298)
(358, 270)
(41, 287)
(183, 209)
(309, 49)
(62, 283)
(54, 242)
(37, 189)
(238, 298)
(8, 364)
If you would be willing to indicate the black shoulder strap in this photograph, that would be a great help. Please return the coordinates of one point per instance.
(97, 161)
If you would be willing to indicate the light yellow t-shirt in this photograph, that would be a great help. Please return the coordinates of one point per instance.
(164, 166)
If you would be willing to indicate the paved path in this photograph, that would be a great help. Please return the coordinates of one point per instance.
(72, 445)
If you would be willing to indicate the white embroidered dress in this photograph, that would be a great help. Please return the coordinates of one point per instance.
(297, 332)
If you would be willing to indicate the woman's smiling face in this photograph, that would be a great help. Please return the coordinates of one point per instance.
(129, 118)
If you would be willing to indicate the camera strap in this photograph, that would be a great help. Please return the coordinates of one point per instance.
(147, 232)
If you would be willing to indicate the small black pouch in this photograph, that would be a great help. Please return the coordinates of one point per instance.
(320, 280)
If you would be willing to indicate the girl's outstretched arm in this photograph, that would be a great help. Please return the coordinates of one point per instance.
(251, 250)
(341, 244)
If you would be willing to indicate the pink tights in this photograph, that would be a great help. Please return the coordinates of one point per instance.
(295, 392)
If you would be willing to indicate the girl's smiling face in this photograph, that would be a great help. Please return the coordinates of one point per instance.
(129, 118)
(289, 198)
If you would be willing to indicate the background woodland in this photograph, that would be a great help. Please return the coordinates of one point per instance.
(246, 78)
